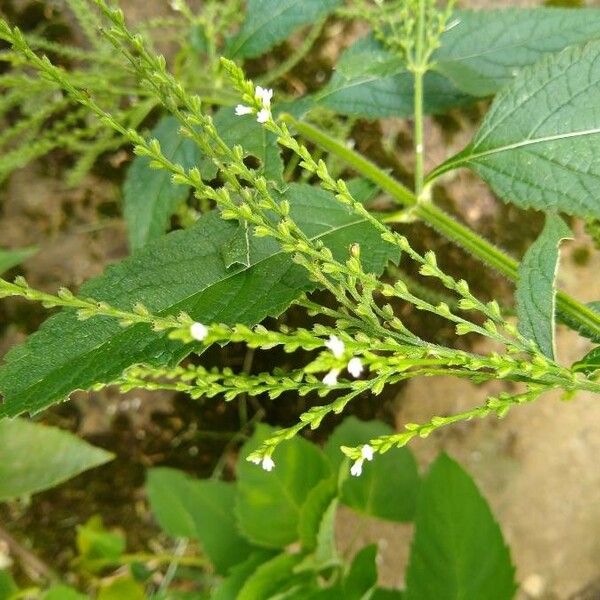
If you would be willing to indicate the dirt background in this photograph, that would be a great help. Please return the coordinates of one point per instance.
(538, 467)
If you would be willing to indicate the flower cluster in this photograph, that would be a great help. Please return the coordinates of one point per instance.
(338, 349)
(263, 97)
(267, 463)
(366, 453)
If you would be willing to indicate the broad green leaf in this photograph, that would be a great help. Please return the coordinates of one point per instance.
(272, 577)
(372, 82)
(363, 574)
(387, 594)
(150, 198)
(538, 145)
(388, 486)
(482, 51)
(578, 327)
(12, 258)
(590, 363)
(325, 554)
(269, 22)
(230, 587)
(536, 292)
(63, 592)
(457, 550)
(199, 509)
(183, 270)
(313, 510)
(121, 588)
(96, 545)
(34, 457)
(237, 250)
(8, 587)
(268, 505)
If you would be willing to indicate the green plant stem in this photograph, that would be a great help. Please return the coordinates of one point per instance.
(439, 220)
(419, 70)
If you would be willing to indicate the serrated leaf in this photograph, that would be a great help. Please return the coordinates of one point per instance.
(268, 505)
(34, 457)
(482, 51)
(579, 327)
(312, 511)
(12, 258)
(536, 292)
(201, 510)
(370, 81)
(269, 22)
(150, 198)
(324, 555)
(537, 146)
(182, 271)
(457, 550)
(590, 363)
(388, 486)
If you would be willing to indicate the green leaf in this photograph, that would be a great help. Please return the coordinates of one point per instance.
(229, 588)
(121, 588)
(12, 258)
(370, 81)
(63, 592)
(387, 594)
(237, 250)
(272, 577)
(150, 198)
(484, 50)
(268, 505)
(536, 292)
(182, 271)
(537, 146)
(313, 510)
(388, 486)
(199, 509)
(97, 544)
(457, 550)
(325, 554)
(269, 22)
(8, 587)
(579, 327)
(589, 363)
(363, 574)
(34, 457)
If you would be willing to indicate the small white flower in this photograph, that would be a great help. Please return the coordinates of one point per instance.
(255, 460)
(267, 463)
(263, 115)
(241, 110)
(367, 452)
(331, 378)
(199, 331)
(336, 346)
(356, 468)
(264, 96)
(355, 367)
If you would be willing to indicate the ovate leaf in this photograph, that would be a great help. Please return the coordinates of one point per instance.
(536, 293)
(370, 81)
(199, 509)
(388, 486)
(34, 457)
(313, 511)
(268, 505)
(483, 50)
(590, 363)
(269, 22)
(458, 550)
(362, 576)
(538, 145)
(12, 258)
(149, 196)
(183, 270)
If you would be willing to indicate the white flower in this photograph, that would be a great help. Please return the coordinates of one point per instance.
(199, 331)
(263, 115)
(264, 96)
(356, 468)
(355, 367)
(255, 460)
(336, 346)
(267, 463)
(241, 110)
(331, 378)
(367, 452)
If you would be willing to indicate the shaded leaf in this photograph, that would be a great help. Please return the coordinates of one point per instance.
(457, 550)
(579, 327)
(199, 509)
(237, 250)
(63, 592)
(268, 505)
(34, 457)
(537, 146)
(589, 363)
(313, 510)
(362, 576)
(12, 258)
(182, 271)
(8, 587)
(96, 545)
(229, 588)
(121, 588)
(536, 293)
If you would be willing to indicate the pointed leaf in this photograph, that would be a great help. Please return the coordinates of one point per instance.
(579, 327)
(268, 505)
(458, 550)
(590, 363)
(12, 258)
(363, 574)
(201, 510)
(536, 292)
(313, 510)
(34, 457)
(183, 270)
(238, 575)
(537, 146)
(269, 22)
